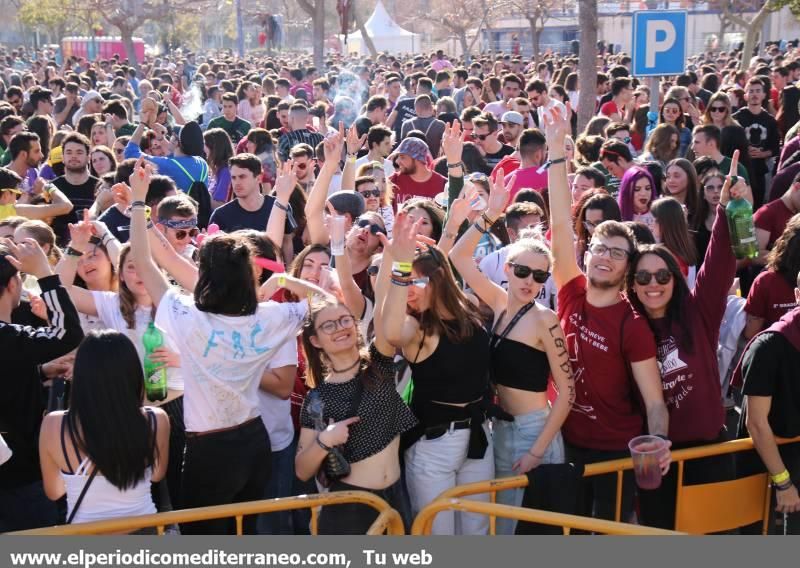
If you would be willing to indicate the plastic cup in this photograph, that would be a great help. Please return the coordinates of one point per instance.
(646, 451)
(337, 235)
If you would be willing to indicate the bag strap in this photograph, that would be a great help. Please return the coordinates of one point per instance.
(203, 171)
(522, 311)
(81, 496)
(419, 347)
(357, 396)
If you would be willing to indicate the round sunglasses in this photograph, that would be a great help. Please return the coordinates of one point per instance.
(370, 193)
(718, 109)
(181, 234)
(522, 271)
(644, 277)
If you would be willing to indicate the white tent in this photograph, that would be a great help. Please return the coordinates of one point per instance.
(385, 34)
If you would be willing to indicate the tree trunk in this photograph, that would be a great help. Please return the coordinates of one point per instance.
(126, 34)
(465, 47)
(365, 36)
(535, 34)
(723, 26)
(587, 66)
(319, 33)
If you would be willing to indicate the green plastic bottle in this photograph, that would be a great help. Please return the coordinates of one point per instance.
(743, 233)
(155, 377)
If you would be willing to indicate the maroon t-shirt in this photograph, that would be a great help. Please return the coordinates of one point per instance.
(689, 369)
(405, 187)
(772, 217)
(770, 297)
(602, 342)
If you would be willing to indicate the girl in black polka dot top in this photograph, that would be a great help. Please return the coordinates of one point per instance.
(339, 371)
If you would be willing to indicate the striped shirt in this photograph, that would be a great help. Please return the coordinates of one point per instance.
(291, 139)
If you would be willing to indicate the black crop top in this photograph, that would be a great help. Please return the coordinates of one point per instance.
(383, 414)
(455, 373)
(519, 366)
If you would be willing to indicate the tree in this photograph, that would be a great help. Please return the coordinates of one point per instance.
(587, 66)
(316, 9)
(734, 12)
(537, 12)
(460, 18)
(365, 37)
(47, 14)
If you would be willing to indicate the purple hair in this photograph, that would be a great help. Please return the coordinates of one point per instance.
(626, 190)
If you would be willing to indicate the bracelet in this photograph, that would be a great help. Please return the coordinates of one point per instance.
(281, 206)
(537, 457)
(402, 267)
(456, 165)
(780, 478)
(480, 229)
(398, 282)
(69, 251)
(135, 204)
(351, 158)
(488, 221)
(282, 281)
(322, 445)
(784, 487)
(544, 167)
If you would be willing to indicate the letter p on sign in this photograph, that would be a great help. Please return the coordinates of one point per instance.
(659, 42)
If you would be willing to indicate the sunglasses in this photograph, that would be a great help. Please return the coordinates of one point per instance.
(181, 234)
(329, 327)
(374, 228)
(599, 249)
(301, 166)
(718, 109)
(481, 137)
(421, 282)
(522, 271)
(476, 176)
(370, 193)
(644, 277)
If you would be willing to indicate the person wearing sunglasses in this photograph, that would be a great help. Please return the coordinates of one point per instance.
(176, 218)
(718, 111)
(485, 132)
(686, 322)
(526, 345)
(612, 351)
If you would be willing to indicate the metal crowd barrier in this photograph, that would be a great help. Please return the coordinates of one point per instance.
(388, 521)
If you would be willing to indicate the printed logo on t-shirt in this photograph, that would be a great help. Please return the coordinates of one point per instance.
(669, 360)
(578, 371)
(676, 385)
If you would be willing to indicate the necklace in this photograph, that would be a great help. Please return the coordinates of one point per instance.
(335, 370)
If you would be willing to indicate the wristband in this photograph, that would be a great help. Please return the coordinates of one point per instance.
(784, 487)
(780, 478)
(398, 282)
(549, 163)
(322, 445)
(534, 455)
(282, 281)
(402, 267)
(69, 251)
(135, 204)
(480, 229)
(456, 165)
(488, 221)
(281, 206)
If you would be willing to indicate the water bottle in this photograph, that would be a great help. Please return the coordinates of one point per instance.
(155, 377)
(743, 233)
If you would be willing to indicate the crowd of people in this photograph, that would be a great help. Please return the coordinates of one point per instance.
(395, 275)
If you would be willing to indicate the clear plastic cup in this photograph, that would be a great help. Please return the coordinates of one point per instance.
(646, 451)
(337, 235)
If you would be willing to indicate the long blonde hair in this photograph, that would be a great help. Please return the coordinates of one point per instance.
(43, 234)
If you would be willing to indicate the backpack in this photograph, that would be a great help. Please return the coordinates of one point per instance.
(198, 191)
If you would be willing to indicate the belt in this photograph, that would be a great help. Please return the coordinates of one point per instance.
(220, 430)
(433, 432)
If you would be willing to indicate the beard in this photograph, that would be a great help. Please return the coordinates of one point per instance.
(607, 284)
(75, 169)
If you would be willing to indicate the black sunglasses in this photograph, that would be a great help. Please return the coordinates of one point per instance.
(643, 277)
(181, 234)
(374, 228)
(522, 271)
(718, 109)
(481, 136)
(370, 193)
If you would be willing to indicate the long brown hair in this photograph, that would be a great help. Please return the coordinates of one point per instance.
(297, 265)
(316, 360)
(127, 301)
(445, 296)
(784, 258)
(668, 213)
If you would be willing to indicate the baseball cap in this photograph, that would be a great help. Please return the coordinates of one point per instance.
(513, 117)
(413, 148)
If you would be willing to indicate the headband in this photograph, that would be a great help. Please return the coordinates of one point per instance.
(179, 223)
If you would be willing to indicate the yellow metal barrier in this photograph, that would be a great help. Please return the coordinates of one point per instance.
(424, 521)
(388, 521)
(618, 466)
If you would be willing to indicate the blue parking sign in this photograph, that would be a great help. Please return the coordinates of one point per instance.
(659, 42)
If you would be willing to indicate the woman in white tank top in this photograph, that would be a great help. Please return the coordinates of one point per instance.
(106, 447)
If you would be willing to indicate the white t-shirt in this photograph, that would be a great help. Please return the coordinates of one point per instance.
(108, 311)
(223, 356)
(492, 266)
(388, 167)
(276, 413)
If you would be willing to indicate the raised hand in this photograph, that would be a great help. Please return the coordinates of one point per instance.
(734, 186)
(452, 145)
(354, 142)
(140, 179)
(80, 233)
(285, 182)
(123, 196)
(404, 244)
(459, 210)
(333, 145)
(499, 192)
(27, 256)
(556, 128)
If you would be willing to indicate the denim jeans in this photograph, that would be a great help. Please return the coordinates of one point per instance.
(225, 467)
(27, 507)
(280, 484)
(512, 440)
(433, 466)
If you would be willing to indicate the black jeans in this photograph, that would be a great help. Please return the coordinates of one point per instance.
(225, 467)
(356, 518)
(177, 443)
(598, 493)
(657, 506)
